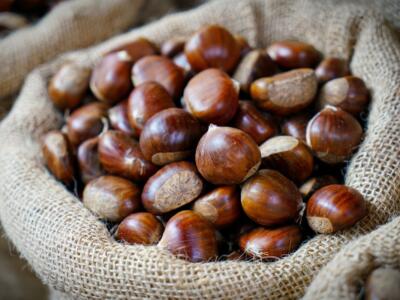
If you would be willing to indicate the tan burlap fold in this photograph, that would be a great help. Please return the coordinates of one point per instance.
(73, 252)
(71, 25)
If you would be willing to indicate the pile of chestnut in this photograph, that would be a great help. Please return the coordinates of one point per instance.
(210, 148)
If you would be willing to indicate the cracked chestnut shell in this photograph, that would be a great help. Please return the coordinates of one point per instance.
(171, 187)
(88, 159)
(227, 155)
(335, 207)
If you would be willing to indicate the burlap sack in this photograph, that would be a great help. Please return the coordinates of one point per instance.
(74, 253)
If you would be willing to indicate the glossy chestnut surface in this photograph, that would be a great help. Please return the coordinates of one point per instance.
(313, 184)
(285, 93)
(111, 198)
(137, 48)
(289, 156)
(221, 206)
(212, 47)
(249, 119)
(294, 54)
(331, 68)
(171, 187)
(69, 85)
(88, 159)
(267, 244)
(335, 207)
(86, 122)
(173, 46)
(227, 155)
(383, 284)
(212, 97)
(170, 135)
(269, 198)
(254, 65)
(333, 134)
(296, 125)
(146, 100)
(118, 117)
(119, 154)
(111, 77)
(189, 236)
(57, 156)
(140, 228)
(161, 70)
(349, 93)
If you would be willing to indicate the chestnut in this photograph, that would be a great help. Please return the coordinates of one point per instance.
(383, 284)
(212, 46)
(88, 159)
(119, 154)
(118, 116)
(349, 93)
(269, 198)
(294, 54)
(140, 228)
(138, 48)
(335, 207)
(254, 65)
(333, 134)
(191, 237)
(313, 184)
(296, 125)
(227, 155)
(146, 100)
(249, 119)
(111, 198)
(212, 97)
(269, 244)
(221, 206)
(289, 156)
(57, 156)
(243, 45)
(285, 93)
(161, 70)
(69, 85)
(111, 77)
(331, 68)
(170, 135)
(173, 46)
(171, 187)
(86, 122)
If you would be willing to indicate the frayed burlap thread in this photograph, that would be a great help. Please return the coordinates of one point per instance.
(73, 252)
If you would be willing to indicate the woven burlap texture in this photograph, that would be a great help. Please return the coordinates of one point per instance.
(71, 25)
(74, 253)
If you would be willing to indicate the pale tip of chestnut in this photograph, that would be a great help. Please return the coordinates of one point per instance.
(236, 85)
(279, 144)
(124, 56)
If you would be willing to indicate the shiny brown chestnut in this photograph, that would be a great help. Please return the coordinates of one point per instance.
(212, 47)
(111, 198)
(86, 122)
(189, 236)
(333, 134)
(313, 184)
(269, 198)
(146, 100)
(335, 207)
(294, 54)
(88, 159)
(254, 65)
(349, 93)
(173, 46)
(159, 69)
(244, 45)
(140, 228)
(138, 48)
(57, 156)
(383, 284)
(289, 156)
(249, 119)
(296, 125)
(111, 77)
(171, 187)
(227, 155)
(221, 206)
(285, 93)
(69, 85)
(118, 116)
(263, 243)
(331, 68)
(212, 97)
(119, 154)
(170, 135)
